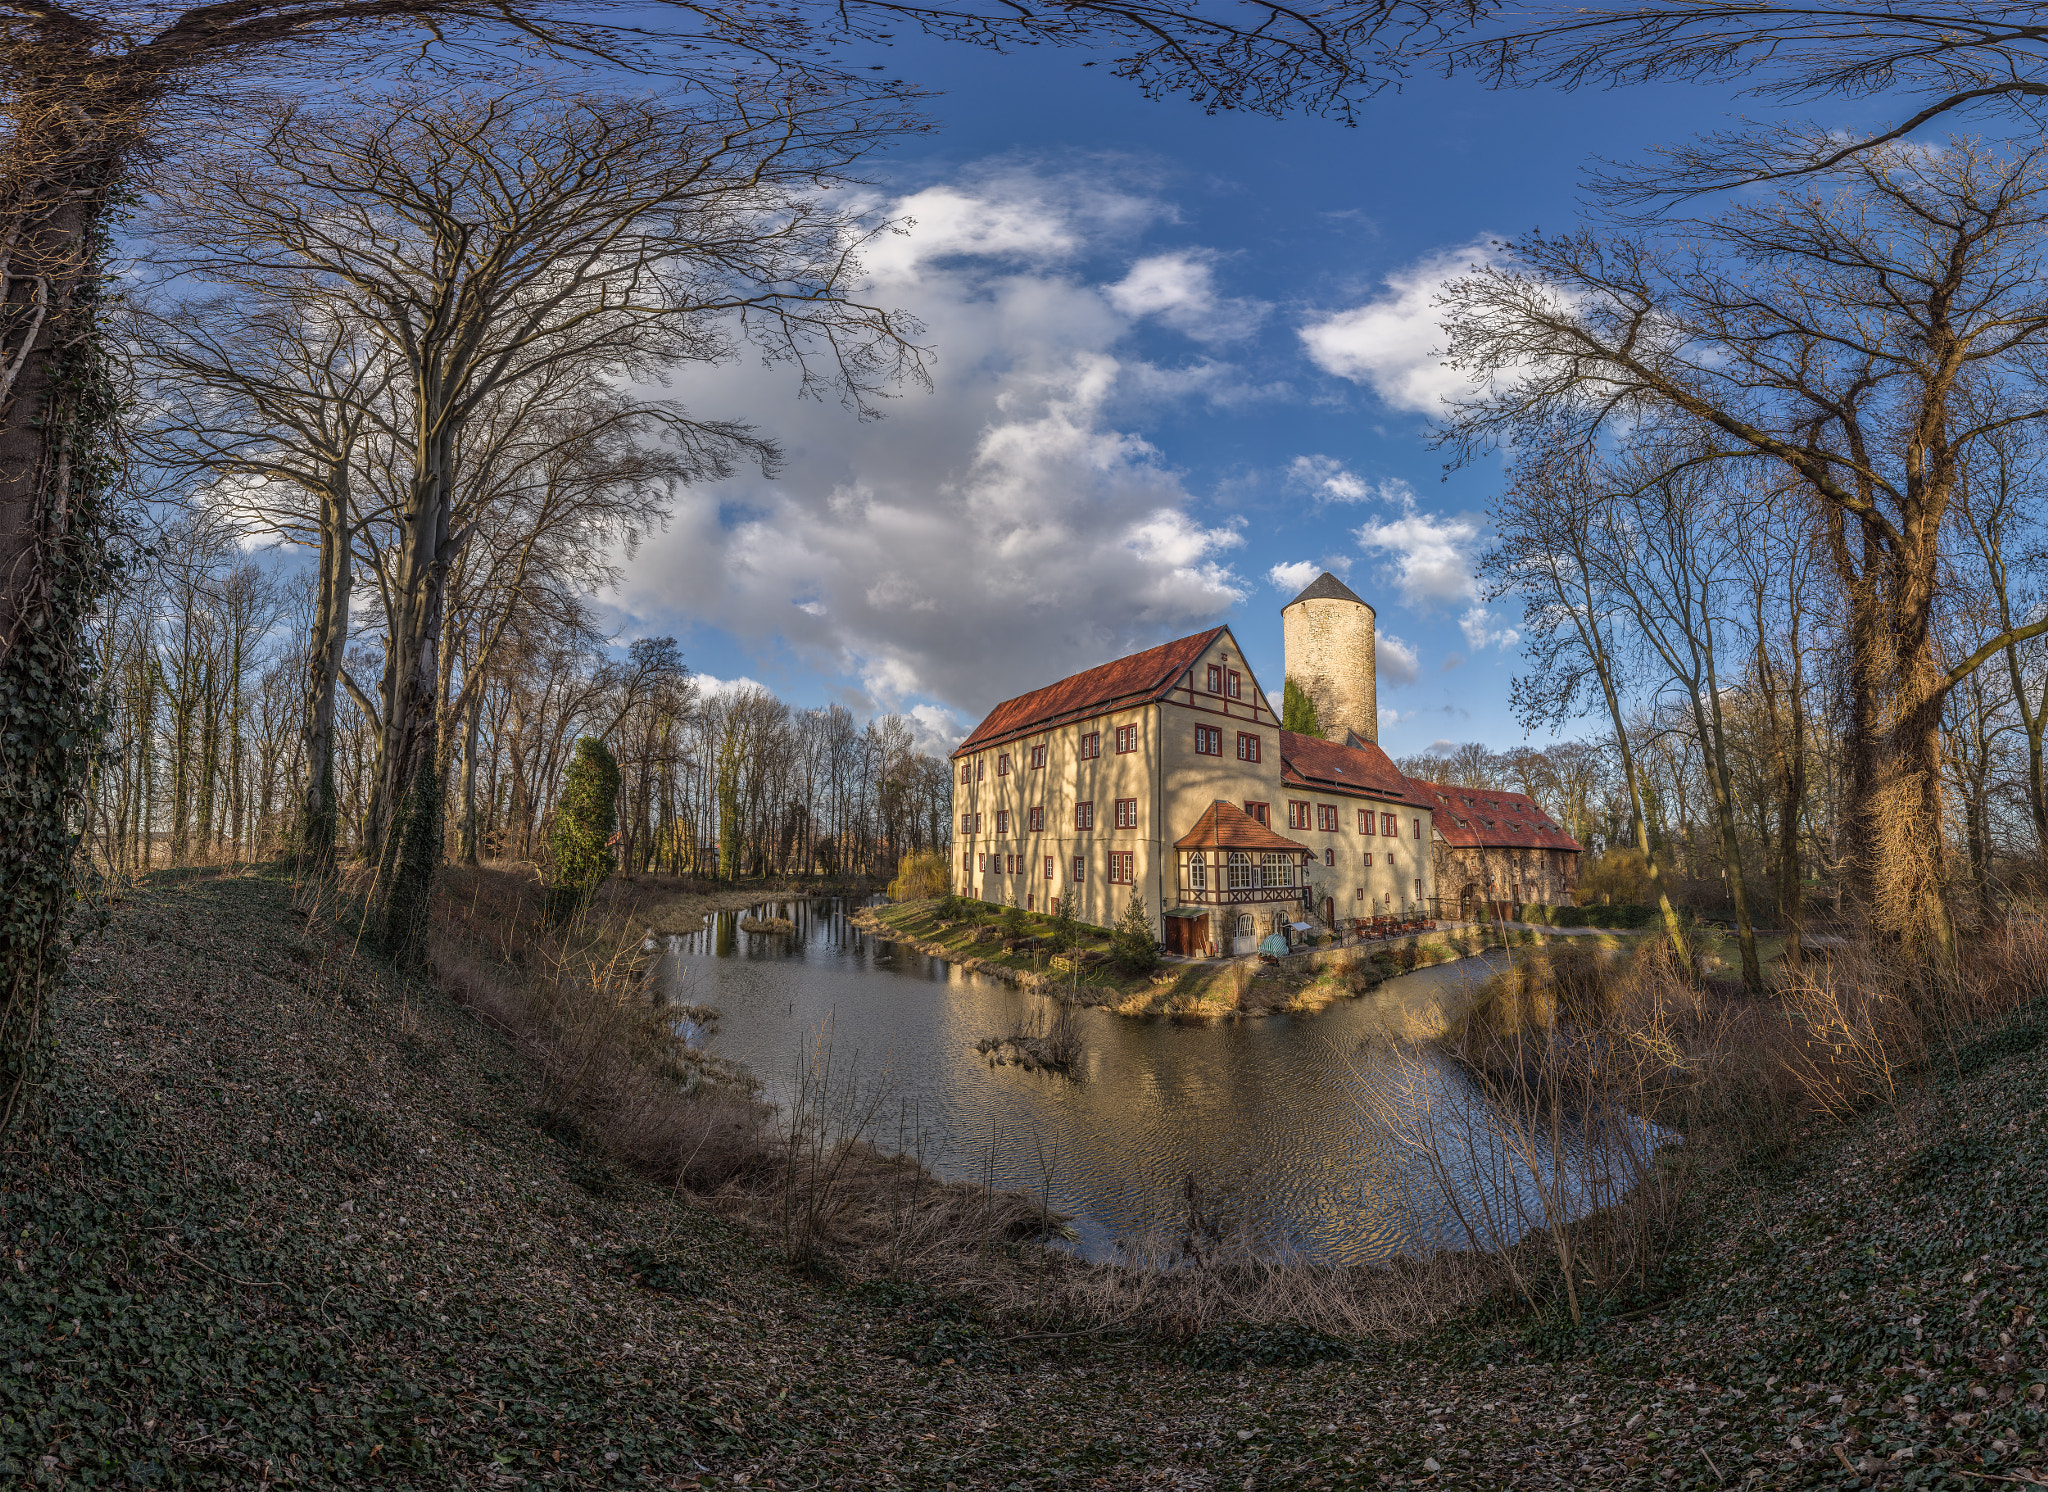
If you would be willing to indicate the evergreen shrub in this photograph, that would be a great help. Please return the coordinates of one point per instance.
(1132, 945)
(585, 824)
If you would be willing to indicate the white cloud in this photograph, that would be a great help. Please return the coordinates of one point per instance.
(1432, 553)
(983, 539)
(1392, 343)
(1011, 214)
(1332, 482)
(1180, 289)
(1397, 660)
(1295, 576)
(1477, 625)
(709, 686)
(936, 730)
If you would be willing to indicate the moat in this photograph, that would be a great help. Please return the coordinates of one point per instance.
(1280, 1121)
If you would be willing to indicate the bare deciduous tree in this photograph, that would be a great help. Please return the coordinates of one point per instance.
(1830, 334)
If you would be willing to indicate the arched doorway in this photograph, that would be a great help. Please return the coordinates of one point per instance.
(1468, 901)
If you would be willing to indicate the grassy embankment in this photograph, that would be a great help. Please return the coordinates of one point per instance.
(1212, 990)
(298, 1222)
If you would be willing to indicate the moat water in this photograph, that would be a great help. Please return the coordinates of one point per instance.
(1299, 1131)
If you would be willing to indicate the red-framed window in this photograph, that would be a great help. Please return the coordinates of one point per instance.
(1388, 827)
(1326, 817)
(1260, 811)
(1236, 685)
(1091, 745)
(966, 773)
(1126, 738)
(984, 862)
(1038, 758)
(1297, 814)
(1030, 901)
(1418, 888)
(1003, 764)
(966, 823)
(1009, 865)
(1368, 859)
(1002, 821)
(967, 861)
(1035, 820)
(1048, 867)
(1247, 745)
(1080, 868)
(1215, 679)
(980, 766)
(1208, 741)
(1127, 813)
(1122, 865)
(1329, 857)
(1359, 895)
(1418, 828)
(1084, 815)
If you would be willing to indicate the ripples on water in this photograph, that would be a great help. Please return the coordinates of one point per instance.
(1282, 1121)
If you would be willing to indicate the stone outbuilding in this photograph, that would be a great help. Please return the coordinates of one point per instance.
(1496, 851)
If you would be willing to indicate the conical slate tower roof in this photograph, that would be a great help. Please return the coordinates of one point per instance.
(1326, 587)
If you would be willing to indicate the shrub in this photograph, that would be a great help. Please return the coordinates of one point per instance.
(1013, 920)
(584, 827)
(1132, 945)
(1065, 932)
(922, 875)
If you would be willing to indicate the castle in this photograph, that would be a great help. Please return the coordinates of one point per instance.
(1166, 774)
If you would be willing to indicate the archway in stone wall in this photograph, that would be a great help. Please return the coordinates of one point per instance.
(1469, 904)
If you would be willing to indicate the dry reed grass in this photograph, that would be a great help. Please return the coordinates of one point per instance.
(1589, 1067)
(621, 1082)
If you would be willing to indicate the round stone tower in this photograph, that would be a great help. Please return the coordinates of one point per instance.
(1333, 654)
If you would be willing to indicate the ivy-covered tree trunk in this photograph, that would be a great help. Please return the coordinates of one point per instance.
(57, 410)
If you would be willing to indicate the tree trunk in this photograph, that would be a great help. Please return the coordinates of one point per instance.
(467, 848)
(56, 413)
(413, 780)
(1791, 801)
(319, 816)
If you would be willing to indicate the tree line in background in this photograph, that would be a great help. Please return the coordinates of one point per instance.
(205, 660)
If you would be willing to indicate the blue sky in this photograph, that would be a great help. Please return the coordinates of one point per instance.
(1184, 363)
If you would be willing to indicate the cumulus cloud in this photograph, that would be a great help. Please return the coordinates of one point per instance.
(1014, 214)
(1397, 660)
(1392, 343)
(710, 686)
(935, 729)
(1328, 479)
(1293, 577)
(985, 538)
(1180, 290)
(1480, 631)
(1432, 553)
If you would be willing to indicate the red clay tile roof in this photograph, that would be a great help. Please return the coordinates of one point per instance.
(1470, 818)
(1226, 826)
(1311, 762)
(1127, 681)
